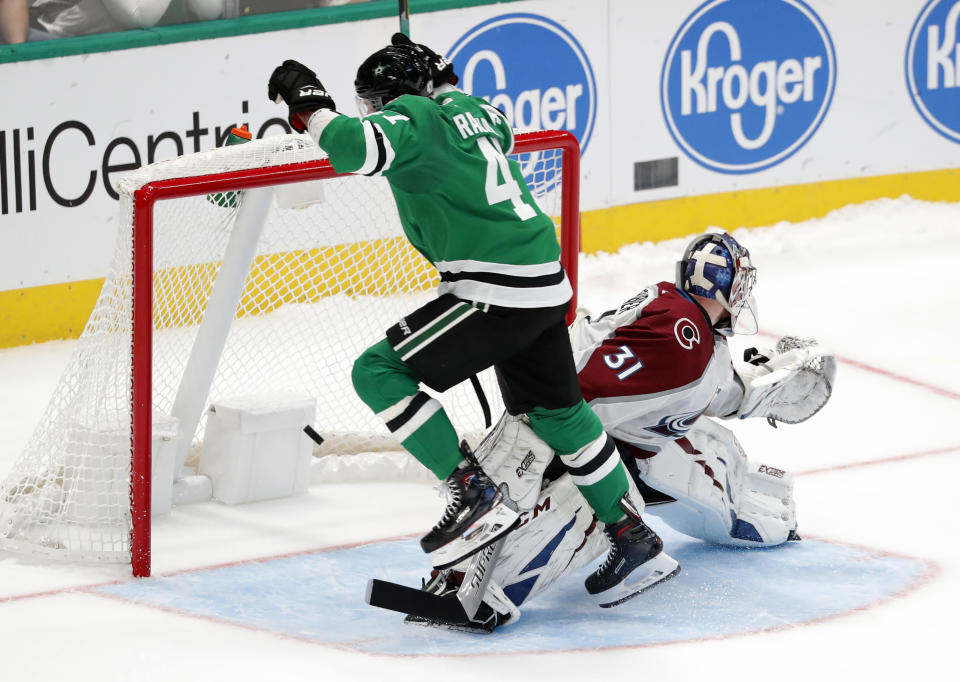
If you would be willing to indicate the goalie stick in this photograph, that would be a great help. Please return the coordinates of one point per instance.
(463, 611)
(477, 577)
(426, 608)
(414, 602)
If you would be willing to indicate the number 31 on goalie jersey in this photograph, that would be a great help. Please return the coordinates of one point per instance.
(619, 360)
(509, 189)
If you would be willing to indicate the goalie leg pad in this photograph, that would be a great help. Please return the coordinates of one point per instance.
(513, 454)
(761, 496)
(766, 504)
(559, 535)
(721, 497)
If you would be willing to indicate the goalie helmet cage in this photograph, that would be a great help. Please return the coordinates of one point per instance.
(218, 291)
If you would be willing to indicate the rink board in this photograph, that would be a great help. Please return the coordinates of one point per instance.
(720, 593)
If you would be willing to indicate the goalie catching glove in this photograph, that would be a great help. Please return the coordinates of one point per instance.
(787, 384)
(298, 86)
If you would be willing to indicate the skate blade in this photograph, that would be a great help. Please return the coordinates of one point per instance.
(658, 570)
(484, 532)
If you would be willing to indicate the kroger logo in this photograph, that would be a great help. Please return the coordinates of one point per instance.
(555, 91)
(746, 83)
(933, 66)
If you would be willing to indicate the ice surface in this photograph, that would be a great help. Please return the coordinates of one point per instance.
(269, 591)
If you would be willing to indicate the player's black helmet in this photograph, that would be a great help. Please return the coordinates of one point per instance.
(388, 73)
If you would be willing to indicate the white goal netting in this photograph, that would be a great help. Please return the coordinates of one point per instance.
(316, 286)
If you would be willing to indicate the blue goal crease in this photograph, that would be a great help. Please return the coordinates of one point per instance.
(719, 592)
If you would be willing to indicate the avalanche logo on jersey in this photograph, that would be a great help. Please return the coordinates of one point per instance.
(686, 333)
(933, 66)
(555, 91)
(746, 83)
(676, 425)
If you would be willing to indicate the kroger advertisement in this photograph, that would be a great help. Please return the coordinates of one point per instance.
(668, 99)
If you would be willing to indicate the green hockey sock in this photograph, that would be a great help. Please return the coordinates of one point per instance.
(385, 383)
(435, 444)
(591, 458)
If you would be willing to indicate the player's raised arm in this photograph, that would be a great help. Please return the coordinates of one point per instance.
(372, 143)
(299, 87)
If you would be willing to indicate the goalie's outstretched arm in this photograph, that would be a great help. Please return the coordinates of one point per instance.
(789, 383)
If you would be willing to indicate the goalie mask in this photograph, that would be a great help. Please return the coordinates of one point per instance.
(716, 266)
(388, 73)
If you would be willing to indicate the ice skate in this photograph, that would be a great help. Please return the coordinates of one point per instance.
(478, 513)
(636, 562)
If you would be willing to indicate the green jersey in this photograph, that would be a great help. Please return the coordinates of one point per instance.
(462, 202)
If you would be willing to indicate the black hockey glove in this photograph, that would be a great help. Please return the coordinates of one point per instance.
(441, 68)
(298, 86)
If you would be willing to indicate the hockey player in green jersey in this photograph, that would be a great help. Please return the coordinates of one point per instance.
(502, 299)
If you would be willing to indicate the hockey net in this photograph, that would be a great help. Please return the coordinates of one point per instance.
(216, 290)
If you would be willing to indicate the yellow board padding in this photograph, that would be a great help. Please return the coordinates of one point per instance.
(302, 276)
(45, 313)
(57, 311)
(60, 311)
(609, 229)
